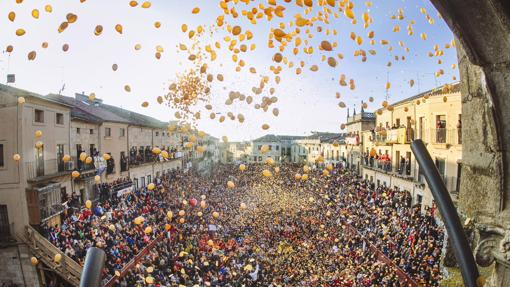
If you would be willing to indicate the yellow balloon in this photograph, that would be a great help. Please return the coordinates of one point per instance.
(75, 174)
(170, 215)
(83, 156)
(151, 186)
(97, 178)
(148, 230)
(16, 157)
(57, 258)
(107, 156)
(149, 280)
(38, 134)
(216, 214)
(242, 167)
(66, 158)
(230, 184)
(139, 220)
(34, 260)
(267, 173)
(88, 204)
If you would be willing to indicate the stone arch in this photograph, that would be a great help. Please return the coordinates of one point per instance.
(483, 32)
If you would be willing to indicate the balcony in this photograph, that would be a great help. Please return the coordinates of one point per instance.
(394, 136)
(141, 159)
(401, 170)
(41, 170)
(446, 136)
(352, 140)
(82, 166)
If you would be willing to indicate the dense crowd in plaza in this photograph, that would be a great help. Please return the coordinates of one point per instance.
(282, 229)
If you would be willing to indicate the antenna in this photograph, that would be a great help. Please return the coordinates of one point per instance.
(62, 89)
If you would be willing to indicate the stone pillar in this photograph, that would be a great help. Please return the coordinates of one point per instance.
(485, 180)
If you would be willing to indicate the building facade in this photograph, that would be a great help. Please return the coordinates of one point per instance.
(356, 125)
(433, 116)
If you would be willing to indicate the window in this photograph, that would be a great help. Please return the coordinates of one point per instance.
(136, 183)
(39, 116)
(157, 134)
(149, 179)
(441, 167)
(1, 155)
(277, 147)
(78, 130)
(92, 150)
(107, 132)
(122, 132)
(60, 156)
(91, 131)
(59, 119)
(259, 147)
(4, 223)
(419, 199)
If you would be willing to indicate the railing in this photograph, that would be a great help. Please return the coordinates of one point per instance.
(443, 136)
(352, 140)
(41, 248)
(401, 170)
(111, 282)
(82, 166)
(403, 277)
(52, 167)
(140, 159)
(395, 136)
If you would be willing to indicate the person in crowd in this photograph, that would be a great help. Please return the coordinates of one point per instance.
(241, 228)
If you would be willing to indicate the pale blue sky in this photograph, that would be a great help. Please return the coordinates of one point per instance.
(306, 102)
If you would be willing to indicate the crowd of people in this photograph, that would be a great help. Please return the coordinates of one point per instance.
(262, 226)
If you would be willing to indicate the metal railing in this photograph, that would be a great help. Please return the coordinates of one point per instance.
(395, 136)
(51, 167)
(400, 170)
(43, 250)
(131, 264)
(82, 166)
(443, 136)
(403, 277)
